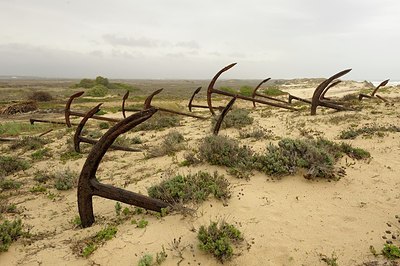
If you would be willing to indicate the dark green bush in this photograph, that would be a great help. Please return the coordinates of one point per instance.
(10, 165)
(29, 143)
(221, 150)
(98, 91)
(317, 156)
(236, 118)
(191, 188)
(218, 239)
(9, 232)
(352, 133)
(159, 122)
(273, 91)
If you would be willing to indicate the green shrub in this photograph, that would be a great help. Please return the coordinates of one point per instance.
(7, 184)
(246, 91)
(391, 251)
(41, 154)
(273, 91)
(146, 260)
(10, 165)
(9, 232)
(218, 239)
(88, 250)
(98, 91)
(29, 143)
(86, 83)
(352, 133)
(317, 156)
(159, 122)
(236, 118)
(228, 89)
(70, 155)
(104, 125)
(191, 188)
(106, 234)
(65, 180)
(221, 150)
(173, 142)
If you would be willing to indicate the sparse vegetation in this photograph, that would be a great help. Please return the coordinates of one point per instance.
(7, 184)
(10, 165)
(98, 91)
(146, 260)
(159, 122)
(173, 142)
(221, 150)
(368, 131)
(330, 261)
(9, 232)
(391, 251)
(273, 91)
(236, 118)
(218, 239)
(41, 154)
(92, 243)
(317, 156)
(65, 180)
(104, 125)
(29, 143)
(40, 96)
(191, 188)
(70, 156)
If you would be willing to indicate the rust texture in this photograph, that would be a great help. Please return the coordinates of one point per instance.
(211, 90)
(222, 115)
(147, 104)
(68, 111)
(34, 120)
(78, 138)
(316, 99)
(89, 186)
(255, 93)
(373, 94)
(191, 105)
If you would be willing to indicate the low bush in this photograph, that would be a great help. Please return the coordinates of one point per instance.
(273, 91)
(10, 165)
(352, 133)
(9, 232)
(221, 150)
(159, 122)
(29, 143)
(191, 188)
(7, 184)
(98, 91)
(218, 239)
(173, 142)
(317, 156)
(40, 96)
(236, 118)
(41, 154)
(391, 251)
(65, 180)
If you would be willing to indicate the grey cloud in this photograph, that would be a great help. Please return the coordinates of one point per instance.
(131, 41)
(189, 44)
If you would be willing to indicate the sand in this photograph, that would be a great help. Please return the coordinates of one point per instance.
(288, 221)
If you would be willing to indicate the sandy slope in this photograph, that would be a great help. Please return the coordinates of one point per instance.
(285, 222)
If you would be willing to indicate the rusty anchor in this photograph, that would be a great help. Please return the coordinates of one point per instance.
(255, 93)
(34, 120)
(322, 97)
(147, 104)
(316, 99)
(89, 186)
(222, 115)
(211, 90)
(191, 105)
(68, 111)
(78, 138)
(373, 94)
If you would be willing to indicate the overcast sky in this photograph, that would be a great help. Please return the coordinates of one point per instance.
(193, 39)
